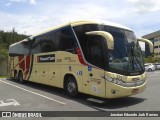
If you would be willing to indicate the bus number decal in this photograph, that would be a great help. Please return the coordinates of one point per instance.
(79, 72)
(94, 88)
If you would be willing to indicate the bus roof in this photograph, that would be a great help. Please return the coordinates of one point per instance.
(77, 23)
(73, 24)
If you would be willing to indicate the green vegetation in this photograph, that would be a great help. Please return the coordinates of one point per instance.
(6, 39)
(152, 59)
(3, 76)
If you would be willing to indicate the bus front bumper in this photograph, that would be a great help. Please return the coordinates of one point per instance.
(117, 91)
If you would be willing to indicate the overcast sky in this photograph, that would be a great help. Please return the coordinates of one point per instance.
(33, 16)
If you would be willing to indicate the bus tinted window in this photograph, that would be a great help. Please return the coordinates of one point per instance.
(35, 47)
(67, 40)
(62, 39)
(95, 51)
(45, 43)
(91, 45)
(82, 37)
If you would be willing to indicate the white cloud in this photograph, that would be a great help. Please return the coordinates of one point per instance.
(146, 6)
(17, 0)
(8, 4)
(33, 1)
(30, 1)
(81, 12)
(50, 13)
(38, 18)
(30, 24)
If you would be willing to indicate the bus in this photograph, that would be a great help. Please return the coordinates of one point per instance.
(101, 59)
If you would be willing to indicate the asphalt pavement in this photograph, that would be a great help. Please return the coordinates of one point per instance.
(36, 97)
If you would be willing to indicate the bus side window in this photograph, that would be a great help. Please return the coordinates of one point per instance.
(45, 43)
(35, 47)
(67, 40)
(95, 51)
(26, 47)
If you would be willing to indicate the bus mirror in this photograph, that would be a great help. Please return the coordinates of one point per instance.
(147, 41)
(108, 37)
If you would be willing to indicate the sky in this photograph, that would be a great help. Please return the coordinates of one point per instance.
(34, 16)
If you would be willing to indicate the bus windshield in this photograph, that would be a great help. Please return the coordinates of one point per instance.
(126, 57)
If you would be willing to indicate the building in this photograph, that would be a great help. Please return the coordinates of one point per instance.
(155, 38)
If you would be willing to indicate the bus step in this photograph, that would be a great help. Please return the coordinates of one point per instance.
(96, 100)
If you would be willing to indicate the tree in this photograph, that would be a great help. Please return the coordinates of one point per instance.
(6, 39)
(154, 58)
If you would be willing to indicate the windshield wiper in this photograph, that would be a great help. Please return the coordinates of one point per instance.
(130, 47)
(133, 57)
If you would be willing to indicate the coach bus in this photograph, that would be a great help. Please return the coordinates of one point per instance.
(101, 59)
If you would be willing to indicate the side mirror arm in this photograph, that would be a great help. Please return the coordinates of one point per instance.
(147, 41)
(108, 37)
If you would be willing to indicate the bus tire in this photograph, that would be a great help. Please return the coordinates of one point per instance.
(71, 87)
(15, 77)
(20, 77)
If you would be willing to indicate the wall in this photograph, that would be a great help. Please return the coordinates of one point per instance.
(3, 68)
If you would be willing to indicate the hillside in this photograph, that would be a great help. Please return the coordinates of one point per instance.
(6, 39)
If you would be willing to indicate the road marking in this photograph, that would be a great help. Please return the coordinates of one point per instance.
(33, 92)
(8, 102)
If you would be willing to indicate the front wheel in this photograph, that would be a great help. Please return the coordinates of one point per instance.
(71, 87)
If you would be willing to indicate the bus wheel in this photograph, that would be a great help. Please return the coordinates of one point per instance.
(20, 77)
(71, 87)
(15, 77)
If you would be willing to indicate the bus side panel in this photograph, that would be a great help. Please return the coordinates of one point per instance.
(20, 63)
(93, 82)
(14, 65)
(74, 70)
(69, 64)
(46, 72)
(11, 66)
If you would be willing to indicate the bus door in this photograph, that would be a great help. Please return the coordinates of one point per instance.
(94, 72)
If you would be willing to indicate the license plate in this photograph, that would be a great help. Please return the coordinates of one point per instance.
(135, 91)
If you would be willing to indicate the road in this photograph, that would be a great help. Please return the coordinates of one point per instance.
(37, 97)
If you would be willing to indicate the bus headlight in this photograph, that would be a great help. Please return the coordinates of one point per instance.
(117, 81)
(124, 84)
(113, 80)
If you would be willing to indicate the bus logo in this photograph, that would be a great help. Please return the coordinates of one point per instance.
(46, 58)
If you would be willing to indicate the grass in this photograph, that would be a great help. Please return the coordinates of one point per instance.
(3, 76)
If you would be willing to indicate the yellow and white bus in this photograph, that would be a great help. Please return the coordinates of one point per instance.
(101, 59)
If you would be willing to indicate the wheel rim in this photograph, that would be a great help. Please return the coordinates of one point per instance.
(16, 76)
(71, 87)
(20, 78)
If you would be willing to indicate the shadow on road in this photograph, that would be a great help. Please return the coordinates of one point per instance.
(118, 103)
(111, 104)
